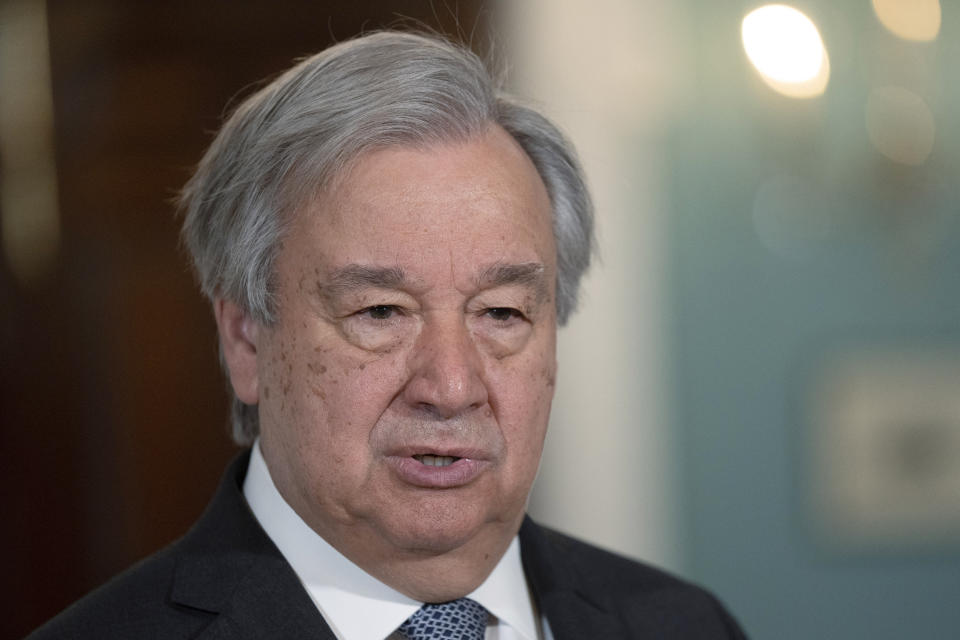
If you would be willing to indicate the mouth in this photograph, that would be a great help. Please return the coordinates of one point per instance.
(435, 461)
(438, 470)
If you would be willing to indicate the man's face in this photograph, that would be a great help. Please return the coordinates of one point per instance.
(405, 388)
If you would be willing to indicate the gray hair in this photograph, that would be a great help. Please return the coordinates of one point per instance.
(284, 144)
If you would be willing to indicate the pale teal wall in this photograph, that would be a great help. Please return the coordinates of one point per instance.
(748, 325)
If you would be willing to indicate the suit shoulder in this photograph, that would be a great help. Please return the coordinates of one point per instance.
(133, 604)
(641, 595)
(616, 572)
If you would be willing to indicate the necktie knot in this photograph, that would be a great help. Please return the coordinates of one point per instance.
(462, 619)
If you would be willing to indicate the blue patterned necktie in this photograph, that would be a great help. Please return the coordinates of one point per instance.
(461, 619)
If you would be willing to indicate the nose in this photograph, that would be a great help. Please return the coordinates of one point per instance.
(446, 370)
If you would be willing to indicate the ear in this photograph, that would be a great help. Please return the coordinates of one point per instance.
(238, 343)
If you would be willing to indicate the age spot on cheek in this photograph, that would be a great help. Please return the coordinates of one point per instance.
(550, 377)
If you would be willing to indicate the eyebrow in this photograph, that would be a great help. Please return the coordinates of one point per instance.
(356, 276)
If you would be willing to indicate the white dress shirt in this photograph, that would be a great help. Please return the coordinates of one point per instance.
(356, 605)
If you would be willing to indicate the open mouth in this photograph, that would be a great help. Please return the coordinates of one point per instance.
(435, 461)
(435, 470)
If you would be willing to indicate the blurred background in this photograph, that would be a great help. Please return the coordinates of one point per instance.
(760, 393)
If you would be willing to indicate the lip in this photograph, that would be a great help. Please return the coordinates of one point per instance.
(462, 472)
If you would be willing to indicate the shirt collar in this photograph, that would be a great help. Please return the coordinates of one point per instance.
(355, 604)
(505, 594)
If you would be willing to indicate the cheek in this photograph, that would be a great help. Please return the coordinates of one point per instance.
(275, 369)
(298, 384)
(526, 393)
(347, 390)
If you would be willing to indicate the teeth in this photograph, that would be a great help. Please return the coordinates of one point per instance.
(436, 461)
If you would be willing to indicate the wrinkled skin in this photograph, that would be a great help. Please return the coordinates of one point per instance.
(416, 315)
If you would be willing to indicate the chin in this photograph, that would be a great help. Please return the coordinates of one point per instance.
(436, 531)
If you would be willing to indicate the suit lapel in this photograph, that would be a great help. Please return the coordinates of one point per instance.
(229, 569)
(572, 613)
(278, 611)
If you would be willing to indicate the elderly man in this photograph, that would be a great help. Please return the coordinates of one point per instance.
(389, 245)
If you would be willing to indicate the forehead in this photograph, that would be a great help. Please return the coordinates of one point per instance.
(476, 202)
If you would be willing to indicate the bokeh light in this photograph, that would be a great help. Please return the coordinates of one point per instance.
(900, 125)
(917, 20)
(785, 47)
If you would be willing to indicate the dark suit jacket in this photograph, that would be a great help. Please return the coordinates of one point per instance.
(226, 579)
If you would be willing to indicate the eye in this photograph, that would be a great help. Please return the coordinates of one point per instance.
(380, 312)
(503, 314)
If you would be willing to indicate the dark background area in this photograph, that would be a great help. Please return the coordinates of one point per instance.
(112, 406)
